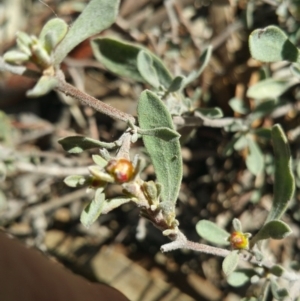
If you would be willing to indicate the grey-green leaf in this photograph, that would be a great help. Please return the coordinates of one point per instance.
(230, 262)
(75, 181)
(212, 233)
(255, 159)
(77, 144)
(284, 183)
(238, 105)
(277, 270)
(163, 133)
(165, 155)
(52, 33)
(204, 59)
(212, 113)
(269, 88)
(271, 44)
(275, 229)
(121, 58)
(240, 277)
(177, 84)
(97, 16)
(146, 68)
(93, 210)
(277, 292)
(114, 203)
(44, 85)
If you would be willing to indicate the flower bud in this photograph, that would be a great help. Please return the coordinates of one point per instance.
(121, 169)
(239, 240)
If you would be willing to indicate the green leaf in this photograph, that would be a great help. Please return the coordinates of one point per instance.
(275, 229)
(230, 262)
(93, 210)
(237, 226)
(277, 270)
(99, 160)
(15, 57)
(44, 85)
(284, 183)
(212, 233)
(269, 88)
(146, 68)
(277, 292)
(204, 59)
(212, 113)
(264, 133)
(238, 105)
(75, 181)
(241, 143)
(122, 58)
(52, 33)
(255, 159)
(114, 203)
(165, 155)
(240, 277)
(177, 84)
(271, 44)
(163, 133)
(77, 144)
(97, 16)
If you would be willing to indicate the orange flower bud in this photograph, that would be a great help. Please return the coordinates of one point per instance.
(239, 240)
(121, 169)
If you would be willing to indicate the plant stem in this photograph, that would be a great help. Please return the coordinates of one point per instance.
(91, 101)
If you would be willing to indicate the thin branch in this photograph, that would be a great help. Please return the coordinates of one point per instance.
(86, 99)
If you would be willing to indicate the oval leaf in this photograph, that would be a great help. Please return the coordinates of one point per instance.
(240, 277)
(75, 181)
(122, 58)
(93, 210)
(165, 155)
(275, 229)
(52, 33)
(146, 68)
(255, 159)
(230, 262)
(269, 88)
(284, 183)
(271, 45)
(212, 233)
(211, 113)
(77, 144)
(177, 84)
(238, 105)
(44, 85)
(163, 133)
(97, 16)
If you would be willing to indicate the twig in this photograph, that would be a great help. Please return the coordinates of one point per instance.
(96, 104)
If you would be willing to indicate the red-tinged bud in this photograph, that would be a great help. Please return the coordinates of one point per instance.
(121, 169)
(239, 240)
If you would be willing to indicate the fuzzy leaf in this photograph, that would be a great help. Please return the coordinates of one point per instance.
(177, 84)
(122, 58)
(165, 155)
(241, 143)
(204, 59)
(277, 292)
(275, 229)
(271, 44)
(75, 181)
(146, 68)
(163, 133)
(277, 270)
(15, 57)
(212, 233)
(44, 85)
(237, 226)
(284, 183)
(93, 210)
(264, 133)
(238, 105)
(230, 262)
(52, 33)
(269, 88)
(212, 113)
(97, 16)
(255, 159)
(99, 161)
(240, 277)
(114, 203)
(77, 144)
